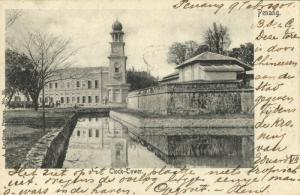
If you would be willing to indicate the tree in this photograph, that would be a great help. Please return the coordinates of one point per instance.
(140, 79)
(217, 38)
(48, 54)
(18, 71)
(11, 17)
(244, 53)
(176, 53)
(179, 52)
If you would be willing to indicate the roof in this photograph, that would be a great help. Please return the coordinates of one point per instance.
(76, 72)
(210, 57)
(250, 72)
(117, 26)
(222, 68)
(172, 76)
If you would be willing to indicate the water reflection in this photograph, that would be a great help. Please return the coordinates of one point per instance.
(103, 142)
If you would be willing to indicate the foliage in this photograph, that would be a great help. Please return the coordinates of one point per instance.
(217, 38)
(179, 52)
(19, 71)
(140, 79)
(48, 54)
(244, 53)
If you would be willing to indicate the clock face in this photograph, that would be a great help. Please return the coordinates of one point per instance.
(116, 49)
(117, 65)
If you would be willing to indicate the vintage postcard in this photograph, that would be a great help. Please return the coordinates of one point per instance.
(150, 97)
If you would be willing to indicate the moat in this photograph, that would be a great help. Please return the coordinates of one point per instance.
(105, 142)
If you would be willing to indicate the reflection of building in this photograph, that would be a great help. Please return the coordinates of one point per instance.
(91, 86)
(100, 139)
(208, 66)
(119, 156)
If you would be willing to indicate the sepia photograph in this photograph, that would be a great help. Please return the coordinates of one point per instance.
(128, 88)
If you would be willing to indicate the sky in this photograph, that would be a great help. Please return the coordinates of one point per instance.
(148, 33)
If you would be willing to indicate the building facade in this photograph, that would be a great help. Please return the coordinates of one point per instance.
(208, 66)
(92, 86)
(77, 86)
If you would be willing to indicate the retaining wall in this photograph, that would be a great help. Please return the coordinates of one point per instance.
(50, 150)
(193, 98)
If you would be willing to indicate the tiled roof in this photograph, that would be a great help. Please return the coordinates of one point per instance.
(210, 56)
(76, 72)
(222, 68)
(171, 76)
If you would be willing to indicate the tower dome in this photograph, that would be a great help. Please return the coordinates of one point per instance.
(117, 26)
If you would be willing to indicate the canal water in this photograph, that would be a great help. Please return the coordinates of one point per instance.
(104, 142)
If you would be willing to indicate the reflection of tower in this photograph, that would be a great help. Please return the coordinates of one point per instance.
(119, 156)
(118, 88)
(119, 150)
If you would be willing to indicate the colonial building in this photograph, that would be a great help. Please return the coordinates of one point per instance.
(77, 86)
(208, 66)
(92, 86)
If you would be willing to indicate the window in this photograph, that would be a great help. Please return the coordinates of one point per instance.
(50, 85)
(97, 133)
(116, 69)
(77, 84)
(46, 100)
(90, 99)
(83, 99)
(97, 99)
(96, 84)
(73, 99)
(78, 133)
(68, 100)
(17, 98)
(78, 100)
(89, 84)
(90, 132)
(62, 100)
(56, 85)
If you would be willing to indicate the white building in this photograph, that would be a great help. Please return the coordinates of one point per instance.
(91, 86)
(208, 66)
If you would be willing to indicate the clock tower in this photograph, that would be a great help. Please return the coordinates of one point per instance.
(117, 88)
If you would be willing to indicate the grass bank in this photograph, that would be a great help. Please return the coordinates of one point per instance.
(23, 128)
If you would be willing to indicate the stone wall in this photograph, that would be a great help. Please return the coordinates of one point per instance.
(50, 150)
(213, 97)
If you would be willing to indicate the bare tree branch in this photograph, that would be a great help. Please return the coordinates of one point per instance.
(217, 38)
(11, 17)
(49, 54)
